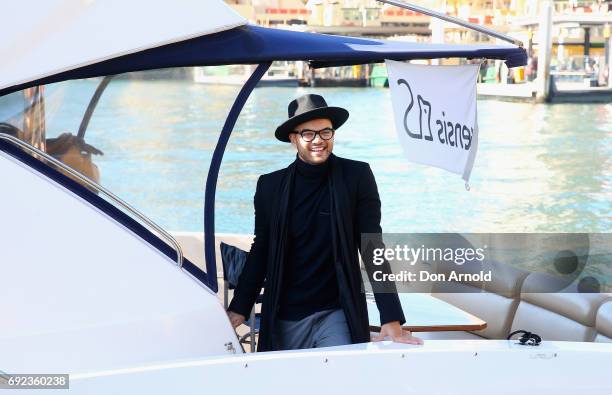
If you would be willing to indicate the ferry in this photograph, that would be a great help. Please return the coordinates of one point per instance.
(93, 288)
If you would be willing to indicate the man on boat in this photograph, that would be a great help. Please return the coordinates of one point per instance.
(309, 218)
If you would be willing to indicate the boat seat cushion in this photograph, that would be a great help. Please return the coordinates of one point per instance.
(568, 302)
(550, 325)
(494, 302)
(602, 339)
(506, 280)
(603, 323)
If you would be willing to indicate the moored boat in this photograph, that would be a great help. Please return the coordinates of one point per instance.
(94, 288)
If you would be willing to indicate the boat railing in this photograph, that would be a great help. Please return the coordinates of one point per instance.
(99, 188)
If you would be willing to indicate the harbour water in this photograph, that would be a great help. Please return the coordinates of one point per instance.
(540, 168)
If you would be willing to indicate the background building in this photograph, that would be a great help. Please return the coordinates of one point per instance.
(581, 29)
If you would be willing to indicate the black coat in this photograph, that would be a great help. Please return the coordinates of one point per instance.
(355, 210)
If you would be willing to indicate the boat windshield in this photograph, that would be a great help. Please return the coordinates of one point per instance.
(149, 140)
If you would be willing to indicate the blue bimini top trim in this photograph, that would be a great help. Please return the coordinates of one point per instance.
(255, 45)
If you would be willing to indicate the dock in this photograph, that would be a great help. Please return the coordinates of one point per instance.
(559, 93)
(580, 95)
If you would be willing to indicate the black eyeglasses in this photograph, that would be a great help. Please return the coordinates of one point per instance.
(308, 134)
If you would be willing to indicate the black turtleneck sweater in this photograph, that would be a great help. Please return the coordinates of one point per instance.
(309, 277)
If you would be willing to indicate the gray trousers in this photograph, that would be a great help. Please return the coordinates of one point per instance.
(325, 328)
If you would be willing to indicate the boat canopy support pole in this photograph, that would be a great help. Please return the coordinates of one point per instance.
(213, 173)
(457, 21)
(92, 105)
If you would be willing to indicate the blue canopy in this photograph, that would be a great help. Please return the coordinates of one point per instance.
(253, 44)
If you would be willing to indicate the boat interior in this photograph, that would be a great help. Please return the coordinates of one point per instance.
(510, 302)
(507, 303)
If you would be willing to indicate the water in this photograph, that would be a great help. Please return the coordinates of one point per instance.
(540, 168)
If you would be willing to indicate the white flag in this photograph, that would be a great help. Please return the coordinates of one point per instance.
(435, 114)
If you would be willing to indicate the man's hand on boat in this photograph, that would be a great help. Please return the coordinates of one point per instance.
(235, 318)
(393, 331)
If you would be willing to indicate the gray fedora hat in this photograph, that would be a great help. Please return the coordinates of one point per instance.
(308, 107)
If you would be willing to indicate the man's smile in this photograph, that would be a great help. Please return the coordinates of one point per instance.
(318, 149)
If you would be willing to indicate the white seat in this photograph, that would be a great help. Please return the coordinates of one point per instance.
(494, 302)
(550, 325)
(563, 315)
(603, 323)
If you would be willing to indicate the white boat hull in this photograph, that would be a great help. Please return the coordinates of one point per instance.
(81, 292)
(477, 367)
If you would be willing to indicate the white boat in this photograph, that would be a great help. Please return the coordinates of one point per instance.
(93, 288)
(280, 73)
